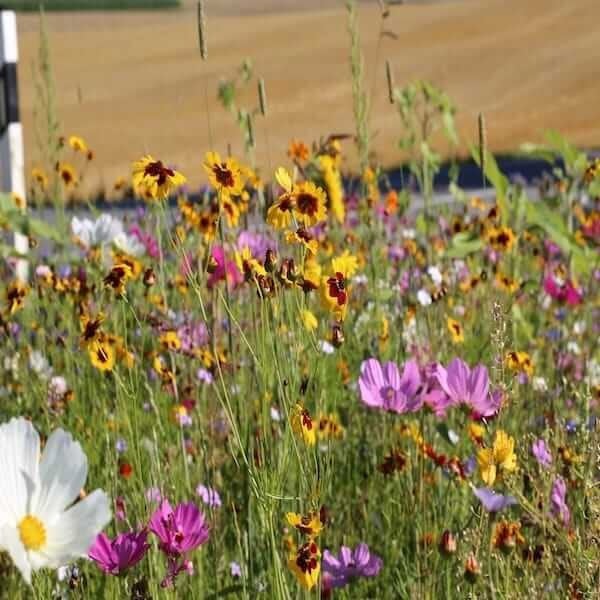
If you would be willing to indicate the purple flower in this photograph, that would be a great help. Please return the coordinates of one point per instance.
(383, 387)
(153, 494)
(256, 243)
(225, 269)
(349, 564)
(209, 495)
(540, 450)
(235, 569)
(180, 530)
(469, 387)
(121, 445)
(118, 555)
(493, 502)
(558, 501)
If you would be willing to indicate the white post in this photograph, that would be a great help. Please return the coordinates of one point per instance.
(11, 130)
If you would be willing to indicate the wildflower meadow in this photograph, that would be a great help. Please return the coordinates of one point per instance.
(303, 380)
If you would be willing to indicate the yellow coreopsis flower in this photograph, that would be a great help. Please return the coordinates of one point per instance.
(224, 175)
(309, 203)
(15, 296)
(102, 354)
(40, 178)
(309, 525)
(170, 340)
(248, 265)
(78, 144)
(230, 209)
(346, 264)
(500, 458)
(67, 173)
(311, 276)
(334, 295)
(305, 564)
(456, 330)
(303, 426)
(155, 179)
(302, 236)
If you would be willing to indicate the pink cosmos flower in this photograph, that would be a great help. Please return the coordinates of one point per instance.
(118, 555)
(562, 292)
(382, 386)
(469, 387)
(179, 530)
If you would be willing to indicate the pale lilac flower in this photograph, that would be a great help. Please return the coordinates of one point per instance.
(558, 501)
(339, 570)
(121, 445)
(382, 386)
(541, 452)
(493, 502)
(118, 555)
(209, 495)
(204, 376)
(235, 569)
(153, 494)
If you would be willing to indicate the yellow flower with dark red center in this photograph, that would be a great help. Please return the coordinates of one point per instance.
(309, 203)
(67, 173)
(592, 171)
(501, 239)
(170, 340)
(230, 210)
(280, 212)
(506, 283)
(154, 179)
(90, 328)
(311, 275)
(309, 525)
(456, 330)
(248, 265)
(298, 151)
(305, 564)
(303, 426)
(40, 178)
(330, 427)
(78, 144)
(118, 277)
(498, 459)
(507, 535)
(334, 294)
(207, 225)
(160, 368)
(102, 354)
(15, 296)
(302, 236)
(135, 266)
(224, 175)
(519, 361)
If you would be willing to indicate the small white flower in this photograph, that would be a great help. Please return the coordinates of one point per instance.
(435, 274)
(40, 365)
(539, 384)
(579, 327)
(102, 231)
(129, 244)
(326, 347)
(424, 297)
(39, 525)
(275, 414)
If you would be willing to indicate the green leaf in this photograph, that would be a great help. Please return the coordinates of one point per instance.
(496, 178)
(463, 244)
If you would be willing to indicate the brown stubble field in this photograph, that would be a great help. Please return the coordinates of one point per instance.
(132, 83)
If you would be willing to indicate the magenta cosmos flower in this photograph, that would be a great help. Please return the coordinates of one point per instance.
(469, 387)
(348, 565)
(564, 292)
(225, 269)
(382, 386)
(180, 530)
(118, 555)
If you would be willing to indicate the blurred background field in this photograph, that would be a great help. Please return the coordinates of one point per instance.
(132, 82)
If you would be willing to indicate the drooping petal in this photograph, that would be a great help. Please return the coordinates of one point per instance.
(493, 502)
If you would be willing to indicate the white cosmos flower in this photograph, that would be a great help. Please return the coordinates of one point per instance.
(129, 244)
(102, 231)
(39, 525)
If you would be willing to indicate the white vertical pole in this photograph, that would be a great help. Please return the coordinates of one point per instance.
(11, 134)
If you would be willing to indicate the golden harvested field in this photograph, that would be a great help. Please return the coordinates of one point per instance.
(131, 83)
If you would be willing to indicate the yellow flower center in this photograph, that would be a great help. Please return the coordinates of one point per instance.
(32, 532)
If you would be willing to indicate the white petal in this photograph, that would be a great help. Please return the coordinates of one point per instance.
(19, 454)
(63, 471)
(11, 542)
(73, 533)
